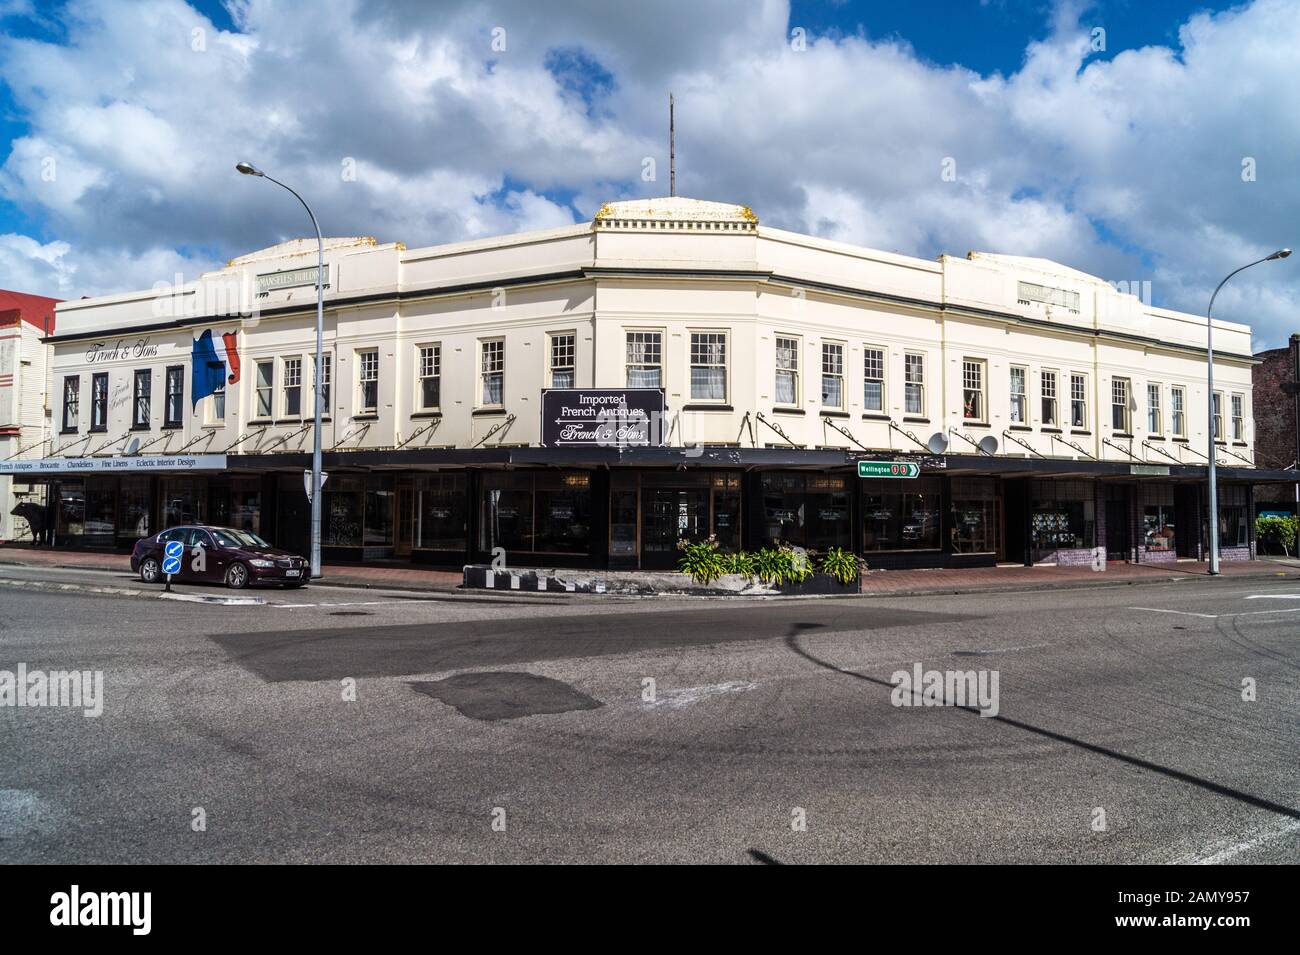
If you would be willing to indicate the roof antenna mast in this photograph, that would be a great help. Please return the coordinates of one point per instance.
(672, 148)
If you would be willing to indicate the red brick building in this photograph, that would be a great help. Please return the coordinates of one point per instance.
(1276, 435)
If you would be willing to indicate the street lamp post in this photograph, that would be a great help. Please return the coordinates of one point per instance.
(248, 169)
(1209, 402)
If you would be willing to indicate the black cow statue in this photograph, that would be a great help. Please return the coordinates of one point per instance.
(34, 515)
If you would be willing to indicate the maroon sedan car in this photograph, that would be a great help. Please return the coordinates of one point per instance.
(219, 555)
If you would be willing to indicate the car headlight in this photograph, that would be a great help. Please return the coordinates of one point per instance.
(258, 562)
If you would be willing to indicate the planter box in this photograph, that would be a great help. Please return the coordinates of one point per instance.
(643, 583)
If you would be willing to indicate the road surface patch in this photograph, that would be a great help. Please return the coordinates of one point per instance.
(505, 695)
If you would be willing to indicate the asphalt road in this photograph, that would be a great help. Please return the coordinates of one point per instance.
(514, 728)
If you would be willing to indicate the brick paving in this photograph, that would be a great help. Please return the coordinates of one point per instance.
(402, 576)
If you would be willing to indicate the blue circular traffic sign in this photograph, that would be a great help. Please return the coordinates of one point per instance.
(171, 565)
(174, 549)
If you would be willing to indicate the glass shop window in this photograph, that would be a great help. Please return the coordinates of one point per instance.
(442, 512)
(901, 515)
(975, 524)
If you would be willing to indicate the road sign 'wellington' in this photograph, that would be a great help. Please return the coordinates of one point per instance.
(888, 469)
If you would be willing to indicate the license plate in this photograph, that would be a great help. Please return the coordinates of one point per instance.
(292, 573)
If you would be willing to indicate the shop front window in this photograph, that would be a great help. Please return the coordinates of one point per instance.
(133, 507)
(378, 523)
(72, 508)
(246, 505)
(441, 512)
(101, 506)
(184, 501)
(807, 510)
(538, 512)
(1062, 517)
(901, 515)
(1158, 518)
(342, 506)
(975, 526)
(686, 506)
(1233, 527)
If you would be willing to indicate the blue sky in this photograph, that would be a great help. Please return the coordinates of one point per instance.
(1126, 162)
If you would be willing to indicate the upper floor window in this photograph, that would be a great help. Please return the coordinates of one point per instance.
(1238, 418)
(1048, 382)
(564, 360)
(708, 366)
(1120, 417)
(430, 375)
(99, 402)
(1019, 401)
(1155, 416)
(368, 380)
(217, 410)
(143, 389)
(1178, 410)
(1218, 416)
(325, 377)
(972, 389)
(914, 383)
(71, 400)
(174, 400)
(492, 372)
(1079, 401)
(787, 372)
(645, 360)
(292, 385)
(265, 390)
(832, 375)
(873, 380)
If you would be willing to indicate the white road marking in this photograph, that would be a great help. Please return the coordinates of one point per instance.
(1183, 613)
(676, 699)
(1222, 852)
(1274, 597)
(352, 603)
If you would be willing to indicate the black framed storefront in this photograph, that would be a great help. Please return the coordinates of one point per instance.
(606, 509)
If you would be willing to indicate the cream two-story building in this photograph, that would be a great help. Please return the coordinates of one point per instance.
(475, 396)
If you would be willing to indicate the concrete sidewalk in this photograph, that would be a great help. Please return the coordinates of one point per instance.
(874, 583)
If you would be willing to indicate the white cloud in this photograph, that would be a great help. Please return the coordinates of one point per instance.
(1128, 167)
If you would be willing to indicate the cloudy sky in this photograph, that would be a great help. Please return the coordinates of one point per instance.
(1140, 140)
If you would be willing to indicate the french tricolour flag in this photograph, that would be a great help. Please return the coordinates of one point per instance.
(213, 364)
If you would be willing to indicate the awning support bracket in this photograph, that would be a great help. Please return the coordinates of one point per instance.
(431, 426)
(907, 434)
(775, 427)
(1068, 443)
(292, 434)
(1024, 444)
(846, 432)
(1120, 447)
(510, 419)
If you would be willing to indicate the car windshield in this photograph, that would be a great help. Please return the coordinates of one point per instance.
(233, 538)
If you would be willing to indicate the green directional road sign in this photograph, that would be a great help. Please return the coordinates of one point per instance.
(888, 469)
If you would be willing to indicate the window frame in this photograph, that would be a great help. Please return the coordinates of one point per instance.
(1124, 407)
(691, 365)
(1237, 409)
(793, 347)
(285, 387)
(71, 404)
(1081, 378)
(98, 403)
(170, 421)
(1157, 408)
(422, 369)
(883, 378)
(361, 356)
(138, 394)
(834, 349)
(1216, 418)
(918, 384)
(1023, 394)
(1054, 397)
(981, 367)
(497, 345)
(628, 364)
(554, 339)
(1178, 411)
(327, 374)
(260, 390)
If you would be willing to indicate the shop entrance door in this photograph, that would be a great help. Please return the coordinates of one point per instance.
(1119, 537)
(404, 534)
(669, 514)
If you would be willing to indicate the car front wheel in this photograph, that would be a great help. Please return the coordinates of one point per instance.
(150, 572)
(237, 577)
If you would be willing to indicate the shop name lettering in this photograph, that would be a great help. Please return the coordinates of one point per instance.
(121, 350)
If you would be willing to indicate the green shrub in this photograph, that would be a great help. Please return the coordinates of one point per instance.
(782, 564)
(841, 564)
(1277, 531)
(739, 563)
(701, 560)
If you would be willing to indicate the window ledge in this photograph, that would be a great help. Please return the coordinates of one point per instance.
(141, 427)
(1181, 440)
(426, 414)
(1240, 444)
(366, 416)
(173, 427)
(1115, 434)
(260, 421)
(871, 416)
(907, 420)
(1051, 430)
(1019, 427)
(482, 412)
(103, 430)
(70, 431)
(707, 407)
(1155, 437)
(835, 414)
(788, 411)
(974, 424)
(1088, 434)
